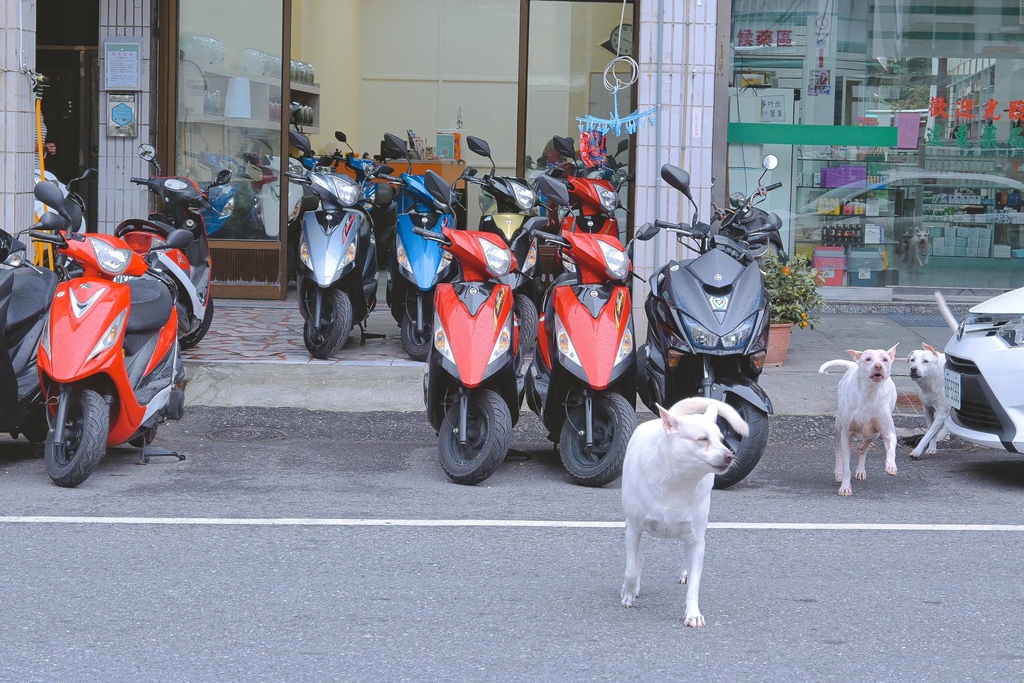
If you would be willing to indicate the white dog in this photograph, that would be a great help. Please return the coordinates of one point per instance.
(915, 246)
(667, 477)
(927, 370)
(866, 398)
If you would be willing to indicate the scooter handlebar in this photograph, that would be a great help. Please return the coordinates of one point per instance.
(773, 186)
(430, 235)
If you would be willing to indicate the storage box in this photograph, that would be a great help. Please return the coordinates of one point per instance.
(830, 263)
(865, 267)
(1018, 253)
(1001, 251)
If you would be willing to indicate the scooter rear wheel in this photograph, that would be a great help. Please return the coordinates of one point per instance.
(614, 422)
(748, 450)
(84, 441)
(488, 429)
(325, 339)
(526, 312)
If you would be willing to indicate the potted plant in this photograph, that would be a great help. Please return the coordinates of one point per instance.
(793, 293)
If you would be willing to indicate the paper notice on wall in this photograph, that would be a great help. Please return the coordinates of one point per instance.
(908, 124)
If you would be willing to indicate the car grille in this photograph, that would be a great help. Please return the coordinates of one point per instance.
(975, 412)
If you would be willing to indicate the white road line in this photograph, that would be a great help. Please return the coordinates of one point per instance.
(506, 523)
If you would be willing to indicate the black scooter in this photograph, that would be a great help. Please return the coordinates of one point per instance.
(707, 319)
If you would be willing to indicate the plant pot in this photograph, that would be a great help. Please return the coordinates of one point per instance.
(778, 344)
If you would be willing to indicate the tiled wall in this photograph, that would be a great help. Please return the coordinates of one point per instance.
(677, 60)
(118, 198)
(17, 113)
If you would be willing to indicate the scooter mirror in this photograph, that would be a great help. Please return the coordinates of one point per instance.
(440, 190)
(51, 221)
(50, 194)
(340, 137)
(384, 169)
(88, 175)
(623, 146)
(223, 177)
(394, 147)
(647, 231)
(300, 141)
(478, 146)
(147, 151)
(469, 172)
(769, 162)
(556, 171)
(179, 239)
(677, 178)
(564, 146)
(554, 191)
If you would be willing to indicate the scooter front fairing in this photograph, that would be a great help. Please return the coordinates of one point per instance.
(422, 261)
(330, 243)
(591, 330)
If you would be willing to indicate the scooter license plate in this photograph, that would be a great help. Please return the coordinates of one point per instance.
(952, 388)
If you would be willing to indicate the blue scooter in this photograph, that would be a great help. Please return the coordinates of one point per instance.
(418, 264)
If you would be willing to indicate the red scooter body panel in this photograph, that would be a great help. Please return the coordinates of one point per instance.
(542, 341)
(468, 252)
(83, 253)
(586, 253)
(583, 195)
(472, 337)
(595, 340)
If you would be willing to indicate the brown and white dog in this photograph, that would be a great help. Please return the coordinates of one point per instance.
(667, 476)
(866, 399)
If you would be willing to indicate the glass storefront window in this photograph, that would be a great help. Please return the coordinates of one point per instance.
(899, 129)
(229, 112)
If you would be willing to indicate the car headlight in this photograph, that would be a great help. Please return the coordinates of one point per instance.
(609, 200)
(531, 259)
(615, 260)
(350, 255)
(109, 337)
(739, 337)
(1013, 332)
(403, 259)
(110, 259)
(441, 340)
(304, 253)
(699, 335)
(501, 345)
(499, 259)
(564, 344)
(625, 346)
(525, 197)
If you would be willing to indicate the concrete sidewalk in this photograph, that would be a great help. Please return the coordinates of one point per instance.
(254, 356)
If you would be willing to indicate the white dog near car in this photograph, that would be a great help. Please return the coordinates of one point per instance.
(927, 370)
(667, 476)
(866, 400)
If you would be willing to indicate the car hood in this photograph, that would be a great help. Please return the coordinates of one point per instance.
(1011, 302)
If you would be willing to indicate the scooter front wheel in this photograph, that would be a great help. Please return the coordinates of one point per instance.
(748, 450)
(526, 312)
(189, 340)
(325, 337)
(83, 440)
(613, 423)
(415, 344)
(488, 429)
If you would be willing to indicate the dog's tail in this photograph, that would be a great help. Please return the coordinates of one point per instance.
(847, 364)
(697, 405)
(946, 313)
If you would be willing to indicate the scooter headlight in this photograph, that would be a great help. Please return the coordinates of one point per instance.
(615, 260)
(110, 259)
(609, 200)
(503, 343)
(109, 337)
(739, 337)
(525, 197)
(403, 259)
(700, 336)
(626, 345)
(531, 259)
(499, 259)
(441, 340)
(304, 253)
(564, 344)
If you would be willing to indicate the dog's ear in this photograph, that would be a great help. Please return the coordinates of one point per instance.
(892, 352)
(929, 347)
(668, 421)
(856, 354)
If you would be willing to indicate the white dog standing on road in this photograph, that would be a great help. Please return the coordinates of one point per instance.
(866, 398)
(667, 478)
(927, 370)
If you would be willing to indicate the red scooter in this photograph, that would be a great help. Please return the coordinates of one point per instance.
(582, 381)
(595, 195)
(472, 387)
(108, 355)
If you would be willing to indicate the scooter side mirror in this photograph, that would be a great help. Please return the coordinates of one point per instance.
(383, 170)
(394, 147)
(677, 178)
(50, 194)
(564, 146)
(623, 146)
(147, 152)
(179, 239)
(647, 231)
(51, 221)
(340, 137)
(478, 146)
(223, 177)
(470, 172)
(554, 191)
(440, 190)
(769, 162)
(296, 139)
(88, 175)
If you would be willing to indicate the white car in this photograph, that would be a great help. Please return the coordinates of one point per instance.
(985, 374)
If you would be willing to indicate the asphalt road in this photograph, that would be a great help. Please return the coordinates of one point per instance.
(305, 546)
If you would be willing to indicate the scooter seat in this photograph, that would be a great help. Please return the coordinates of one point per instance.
(151, 305)
(133, 224)
(32, 293)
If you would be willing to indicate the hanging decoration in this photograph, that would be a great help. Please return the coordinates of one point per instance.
(613, 83)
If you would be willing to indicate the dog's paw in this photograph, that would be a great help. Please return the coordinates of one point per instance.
(628, 600)
(846, 490)
(839, 475)
(915, 454)
(890, 469)
(694, 620)
(682, 579)
(860, 475)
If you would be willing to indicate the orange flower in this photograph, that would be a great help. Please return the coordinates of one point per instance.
(785, 271)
